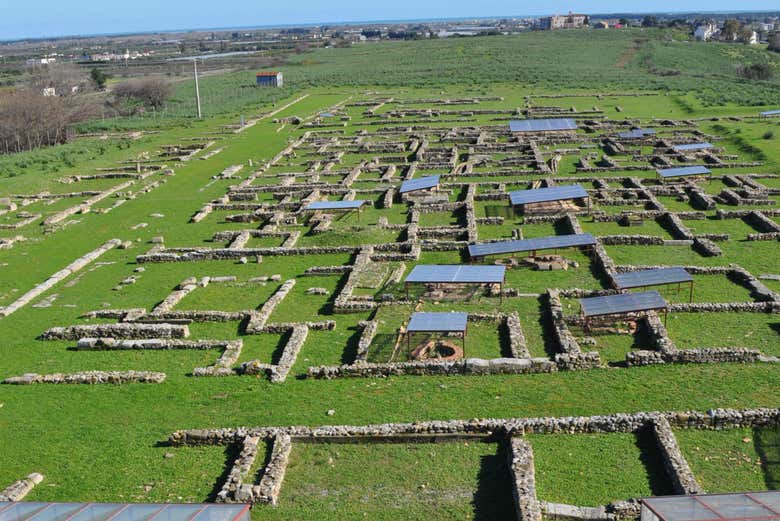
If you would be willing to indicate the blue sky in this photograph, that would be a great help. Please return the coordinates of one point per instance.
(62, 17)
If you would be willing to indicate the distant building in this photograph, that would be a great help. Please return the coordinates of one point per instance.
(603, 24)
(41, 61)
(269, 79)
(48, 92)
(569, 21)
(705, 32)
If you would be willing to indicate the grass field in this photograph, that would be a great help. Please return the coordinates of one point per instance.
(103, 443)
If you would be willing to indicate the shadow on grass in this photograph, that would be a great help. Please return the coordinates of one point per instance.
(767, 445)
(493, 497)
(546, 324)
(232, 452)
(350, 351)
(660, 483)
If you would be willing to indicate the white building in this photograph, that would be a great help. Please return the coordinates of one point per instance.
(705, 32)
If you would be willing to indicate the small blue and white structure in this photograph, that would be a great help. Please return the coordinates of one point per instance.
(542, 125)
(637, 133)
(521, 198)
(686, 171)
(336, 206)
(269, 79)
(770, 114)
(622, 304)
(693, 147)
(421, 183)
(439, 322)
(455, 274)
(481, 250)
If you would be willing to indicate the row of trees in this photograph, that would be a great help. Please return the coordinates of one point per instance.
(43, 111)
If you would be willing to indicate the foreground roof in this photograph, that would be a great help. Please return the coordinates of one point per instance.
(38, 511)
(713, 507)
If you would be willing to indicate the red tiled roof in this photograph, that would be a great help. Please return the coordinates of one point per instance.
(267, 73)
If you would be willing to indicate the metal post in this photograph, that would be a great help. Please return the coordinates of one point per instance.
(690, 296)
(197, 88)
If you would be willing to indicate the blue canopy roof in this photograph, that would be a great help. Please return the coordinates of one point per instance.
(542, 125)
(623, 303)
(38, 511)
(771, 113)
(543, 243)
(336, 205)
(693, 146)
(438, 322)
(421, 183)
(639, 279)
(637, 133)
(683, 171)
(459, 274)
(542, 195)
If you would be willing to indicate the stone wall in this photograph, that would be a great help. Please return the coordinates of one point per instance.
(522, 472)
(258, 318)
(57, 277)
(88, 377)
(713, 419)
(17, 490)
(677, 468)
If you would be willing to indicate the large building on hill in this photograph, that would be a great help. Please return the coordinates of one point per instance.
(269, 79)
(569, 21)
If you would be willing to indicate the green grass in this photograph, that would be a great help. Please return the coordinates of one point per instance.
(595, 469)
(750, 455)
(749, 330)
(102, 443)
(454, 480)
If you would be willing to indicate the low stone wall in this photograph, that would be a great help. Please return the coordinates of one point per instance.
(677, 468)
(54, 279)
(267, 491)
(468, 366)
(631, 240)
(366, 337)
(518, 346)
(258, 318)
(121, 330)
(713, 419)
(17, 490)
(88, 377)
(521, 470)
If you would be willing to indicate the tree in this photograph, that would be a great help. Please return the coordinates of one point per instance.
(745, 34)
(31, 120)
(67, 79)
(148, 92)
(774, 42)
(756, 71)
(625, 22)
(650, 21)
(99, 78)
(730, 29)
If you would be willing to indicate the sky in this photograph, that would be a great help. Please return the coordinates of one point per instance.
(41, 18)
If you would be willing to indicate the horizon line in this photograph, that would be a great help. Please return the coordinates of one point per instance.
(360, 22)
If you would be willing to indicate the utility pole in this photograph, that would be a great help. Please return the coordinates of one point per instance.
(197, 88)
